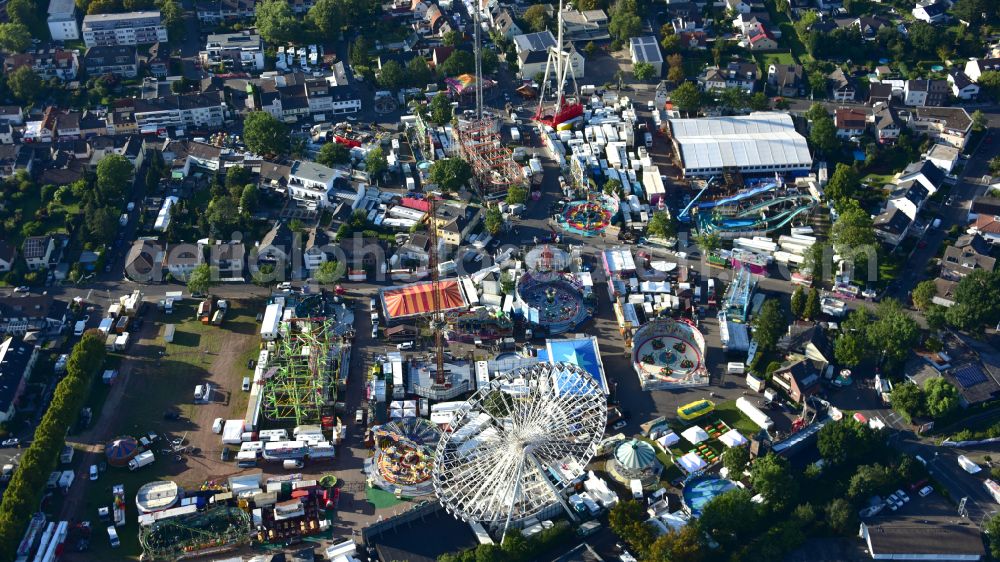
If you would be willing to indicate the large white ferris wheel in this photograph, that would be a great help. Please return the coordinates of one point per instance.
(491, 468)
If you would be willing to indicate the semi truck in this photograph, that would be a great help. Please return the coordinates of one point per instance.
(142, 459)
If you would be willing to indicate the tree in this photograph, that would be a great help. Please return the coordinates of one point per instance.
(907, 400)
(248, 199)
(992, 530)
(894, 332)
(977, 301)
(798, 304)
(25, 84)
(328, 16)
(687, 98)
(769, 325)
(729, 518)
(536, 17)
(517, 195)
(26, 13)
(979, 122)
(840, 516)
(853, 234)
(451, 38)
(236, 178)
(843, 184)
(661, 225)
(771, 477)
(868, 479)
(627, 519)
(989, 82)
(102, 223)
(733, 98)
(590, 48)
(358, 54)
(708, 241)
(851, 345)
(276, 23)
(846, 441)
(924, 37)
(813, 308)
(418, 74)
(759, 102)
(440, 109)
(14, 37)
(823, 135)
(450, 174)
(103, 7)
(940, 397)
(625, 22)
(333, 153)
(936, 317)
(263, 133)
(614, 188)
(376, 163)
(113, 174)
(675, 74)
(923, 293)
(201, 279)
(459, 62)
(817, 84)
(328, 273)
(683, 545)
(670, 44)
(735, 460)
(391, 76)
(643, 71)
(172, 16)
(493, 220)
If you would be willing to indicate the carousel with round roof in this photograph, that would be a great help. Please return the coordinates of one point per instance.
(635, 460)
(120, 450)
(668, 353)
(590, 217)
(404, 456)
(555, 302)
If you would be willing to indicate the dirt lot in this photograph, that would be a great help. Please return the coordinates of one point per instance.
(156, 376)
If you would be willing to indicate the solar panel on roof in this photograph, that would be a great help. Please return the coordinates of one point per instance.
(969, 375)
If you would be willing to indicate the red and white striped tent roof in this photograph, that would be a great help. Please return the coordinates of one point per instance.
(418, 298)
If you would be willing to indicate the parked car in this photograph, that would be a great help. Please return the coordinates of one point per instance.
(22, 289)
(926, 491)
(93, 472)
(902, 496)
(12, 442)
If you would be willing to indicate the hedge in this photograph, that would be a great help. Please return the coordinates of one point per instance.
(27, 485)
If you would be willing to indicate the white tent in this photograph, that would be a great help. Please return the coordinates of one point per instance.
(667, 440)
(691, 462)
(732, 438)
(694, 434)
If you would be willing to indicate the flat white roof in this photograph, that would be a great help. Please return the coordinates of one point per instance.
(645, 49)
(760, 139)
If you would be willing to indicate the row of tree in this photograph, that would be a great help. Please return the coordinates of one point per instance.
(936, 399)
(24, 494)
(977, 302)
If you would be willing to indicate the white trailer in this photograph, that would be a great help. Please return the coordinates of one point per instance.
(754, 413)
(142, 459)
(232, 432)
(272, 319)
(66, 479)
(168, 333)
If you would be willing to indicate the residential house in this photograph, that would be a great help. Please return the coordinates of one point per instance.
(892, 226)
(799, 379)
(144, 261)
(809, 340)
(869, 26)
(455, 222)
(742, 75)
(311, 182)
(924, 172)
(181, 259)
(879, 93)
(15, 157)
(984, 205)
(274, 176)
(37, 252)
(884, 124)
(416, 250)
(974, 68)
(130, 28)
(6, 133)
(62, 20)
(8, 253)
(962, 87)
(214, 12)
(909, 197)
(419, 9)
(944, 157)
(157, 61)
(948, 125)
(586, 25)
(207, 110)
(48, 63)
(850, 122)
(118, 60)
(646, 50)
(944, 292)
(20, 314)
(922, 93)
(971, 252)
(761, 39)
(506, 23)
(360, 253)
(930, 11)
(227, 257)
(533, 53)
(17, 363)
(987, 226)
(236, 51)
(748, 23)
(738, 6)
(12, 114)
(786, 79)
(841, 86)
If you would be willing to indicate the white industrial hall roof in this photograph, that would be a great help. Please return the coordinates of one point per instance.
(762, 139)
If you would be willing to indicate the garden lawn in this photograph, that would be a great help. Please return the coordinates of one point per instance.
(727, 412)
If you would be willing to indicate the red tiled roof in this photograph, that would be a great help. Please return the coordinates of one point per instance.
(989, 224)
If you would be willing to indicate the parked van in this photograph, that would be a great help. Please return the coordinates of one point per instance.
(359, 416)
(405, 345)
(113, 537)
(246, 459)
(246, 384)
(292, 464)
